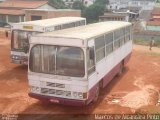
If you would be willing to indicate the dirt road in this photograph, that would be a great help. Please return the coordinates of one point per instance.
(134, 91)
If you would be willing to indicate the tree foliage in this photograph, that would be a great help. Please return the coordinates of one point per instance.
(102, 2)
(78, 5)
(59, 4)
(93, 12)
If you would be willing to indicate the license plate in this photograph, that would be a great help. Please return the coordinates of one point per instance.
(54, 101)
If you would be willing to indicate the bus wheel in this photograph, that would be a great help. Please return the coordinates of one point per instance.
(97, 93)
(120, 69)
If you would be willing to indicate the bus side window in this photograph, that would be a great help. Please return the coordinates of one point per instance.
(109, 43)
(91, 60)
(127, 34)
(122, 38)
(117, 35)
(100, 48)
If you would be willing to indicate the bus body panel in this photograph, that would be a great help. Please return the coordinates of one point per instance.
(30, 27)
(111, 61)
(60, 41)
(58, 100)
(70, 85)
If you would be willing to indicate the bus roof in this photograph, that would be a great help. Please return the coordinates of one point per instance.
(88, 31)
(51, 22)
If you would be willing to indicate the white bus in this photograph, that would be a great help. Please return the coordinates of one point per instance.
(22, 31)
(70, 66)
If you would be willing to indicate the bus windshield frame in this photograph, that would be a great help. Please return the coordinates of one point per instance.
(57, 60)
(20, 40)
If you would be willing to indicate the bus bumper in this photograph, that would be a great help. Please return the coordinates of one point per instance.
(23, 62)
(56, 100)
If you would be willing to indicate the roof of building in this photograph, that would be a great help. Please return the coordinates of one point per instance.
(11, 12)
(52, 21)
(145, 0)
(156, 11)
(153, 23)
(86, 32)
(22, 4)
(130, 8)
(52, 10)
(109, 15)
(156, 17)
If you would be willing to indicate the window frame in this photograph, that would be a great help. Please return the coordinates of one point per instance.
(42, 61)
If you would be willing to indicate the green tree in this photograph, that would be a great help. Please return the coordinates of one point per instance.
(78, 5)
(102, 2)
(59, 4)
(93, 12)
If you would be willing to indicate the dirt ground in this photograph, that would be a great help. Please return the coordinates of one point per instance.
(135, 91)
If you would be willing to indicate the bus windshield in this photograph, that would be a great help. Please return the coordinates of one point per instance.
(57, 60)
(20, 39)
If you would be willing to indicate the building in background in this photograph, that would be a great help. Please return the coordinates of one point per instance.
(37, 14)
(12, 11)
(114, 17)
(144, 4)
(155, 14)
(124, 14)
(85, 2)
(132, 12)
(153, 26)
(119, 4)
(154, 22)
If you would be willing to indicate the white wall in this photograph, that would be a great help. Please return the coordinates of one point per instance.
(70, 2)
(153, 28)
(145, 4)
(117, 4)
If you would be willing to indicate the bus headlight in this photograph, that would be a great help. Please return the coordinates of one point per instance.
(79, 95)
(75, 94)
(34, 89)
(15, 57)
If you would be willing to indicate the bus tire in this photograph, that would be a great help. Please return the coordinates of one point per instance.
(97, 93)
(121, 69)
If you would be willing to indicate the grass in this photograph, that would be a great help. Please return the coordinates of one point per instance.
(146, 42)
(141, 42)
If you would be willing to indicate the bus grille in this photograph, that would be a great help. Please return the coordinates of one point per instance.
(55, 85)
(44, 90)
(55, 92)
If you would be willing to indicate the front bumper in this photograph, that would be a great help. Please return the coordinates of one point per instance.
(23, 62)
(56, 100)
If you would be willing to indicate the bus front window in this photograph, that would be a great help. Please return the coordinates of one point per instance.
(70, 61)
(20, 39)
(57, 60)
